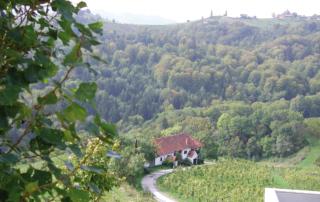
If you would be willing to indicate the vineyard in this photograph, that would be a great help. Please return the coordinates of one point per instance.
(234, 180)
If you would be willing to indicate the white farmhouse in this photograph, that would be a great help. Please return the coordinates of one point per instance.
(187, 146)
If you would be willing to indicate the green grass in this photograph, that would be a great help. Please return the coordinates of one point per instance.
(313, 154)
(280, 182)
(126, 193)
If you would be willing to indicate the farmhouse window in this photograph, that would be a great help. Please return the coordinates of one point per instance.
(161, 159)
(185, 152)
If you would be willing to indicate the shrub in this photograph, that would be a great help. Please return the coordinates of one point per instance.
(168, 162)
(187, 162)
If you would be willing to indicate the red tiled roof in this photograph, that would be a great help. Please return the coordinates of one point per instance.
(191, 153)
(176, 142)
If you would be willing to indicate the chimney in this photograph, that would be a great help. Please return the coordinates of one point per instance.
(153, 138)
(187, 141)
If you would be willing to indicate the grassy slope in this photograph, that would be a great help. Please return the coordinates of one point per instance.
(280, 182)
(313, 154)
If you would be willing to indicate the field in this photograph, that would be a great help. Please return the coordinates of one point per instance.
(238, 179)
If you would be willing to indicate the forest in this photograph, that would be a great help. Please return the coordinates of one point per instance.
(248, 90)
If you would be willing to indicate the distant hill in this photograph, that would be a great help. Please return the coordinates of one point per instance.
(135, 18)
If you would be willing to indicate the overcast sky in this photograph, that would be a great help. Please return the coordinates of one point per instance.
(182, 10)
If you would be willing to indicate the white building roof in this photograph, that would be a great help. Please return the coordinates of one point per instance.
(289, 195)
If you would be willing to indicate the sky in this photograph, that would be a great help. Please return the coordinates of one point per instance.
(183, 10)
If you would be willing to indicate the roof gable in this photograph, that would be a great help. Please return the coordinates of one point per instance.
(176, 142)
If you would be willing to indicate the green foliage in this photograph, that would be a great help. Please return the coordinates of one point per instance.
(313, 126)
(94, 172)
(168, 162)
(187, 162)
(32, 34)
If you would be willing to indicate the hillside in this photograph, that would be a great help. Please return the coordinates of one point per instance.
(246, 88)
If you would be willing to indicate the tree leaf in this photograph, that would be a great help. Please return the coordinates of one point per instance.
(95, 25)
(64, 37)
(15, 34)
(97, 119)
(74, 64)
(93, 129)
(43, 177)
(77, 195)
(46, 158)
(53, 33)
(75, 111)
(67, 14)
(98, 58)
(94, 188)
(94, 71)
(75, 149)
(86, 91)
(39, 144)
(31, 186)
(96, 169)
(67, 92)
(108, 128)
(3, 117)
(114, 155)
(12, 53)
(33, 73)
(68, 136)
(51, 99)
(52, 69)
(51, 135)
(81, 4)
(69, 165)
(9, 94)
(54, 169)
(8, 158)
(72, 56)
(14, 194)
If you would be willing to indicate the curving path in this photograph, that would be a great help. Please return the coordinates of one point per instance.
(149, 183)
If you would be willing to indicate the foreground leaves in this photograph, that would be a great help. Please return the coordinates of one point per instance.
(28, 133)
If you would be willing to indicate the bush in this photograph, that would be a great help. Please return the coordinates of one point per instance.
(168, 162)
(187, 162)
(201, 158)
(146, 170)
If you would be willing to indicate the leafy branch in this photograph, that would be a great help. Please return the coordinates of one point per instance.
(59, 180)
